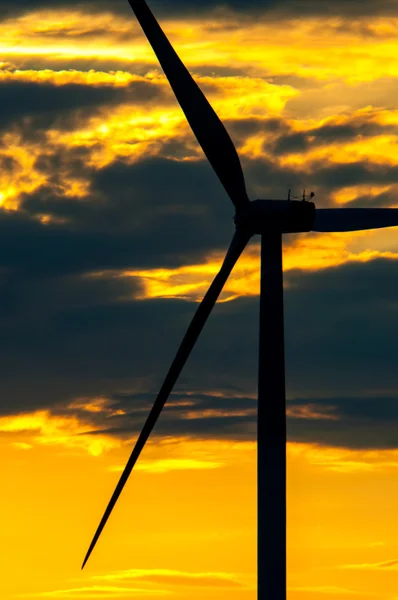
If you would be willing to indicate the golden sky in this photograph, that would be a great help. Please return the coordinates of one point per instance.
(309, 101)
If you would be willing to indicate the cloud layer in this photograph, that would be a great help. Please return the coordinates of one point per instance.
(112, 224)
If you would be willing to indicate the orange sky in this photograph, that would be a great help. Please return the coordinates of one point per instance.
(185, 527)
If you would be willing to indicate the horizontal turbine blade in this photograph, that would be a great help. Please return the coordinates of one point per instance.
(205, 124)
(236, 248)
(354, 219)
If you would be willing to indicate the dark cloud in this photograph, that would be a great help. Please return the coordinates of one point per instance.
(164, 8)
(363, 422)
(126, 212)
(29, 98)
(31, 249)
(331, 133)
(127, 197)
(242, 128)
(8, 8)
(39, 106)
(127, 221)
(56, 250)
(122, 6)
(65, 336)
(334, 176)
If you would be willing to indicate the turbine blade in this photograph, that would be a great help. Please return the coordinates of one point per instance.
(236, 248)
(354, 219)
(205, 124)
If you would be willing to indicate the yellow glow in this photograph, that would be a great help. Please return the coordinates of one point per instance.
(330, 51)
(96, 405)
(68, 22)
(22, 445)
(347, 194)
(323, 559)
(72, 76)
(391, 565)
(76, 188)
(172, 464)
(245, 97)
(102, 591)
(381, 149)
(24, 177)
(164, 573)
(49, 429)
(309, 252)
(253, 146)
(315, 252)
(346, 460)
(127, 132)
(131, 131)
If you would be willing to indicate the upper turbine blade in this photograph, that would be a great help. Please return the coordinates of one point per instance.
(207, 127)
(236, 248)
(354, 219)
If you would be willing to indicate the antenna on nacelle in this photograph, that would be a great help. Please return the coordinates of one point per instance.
(303, 197)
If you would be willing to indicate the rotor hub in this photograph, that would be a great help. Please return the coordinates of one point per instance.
(276, 216)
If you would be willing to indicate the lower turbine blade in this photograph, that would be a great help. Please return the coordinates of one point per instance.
(354, 219)
(204, 309)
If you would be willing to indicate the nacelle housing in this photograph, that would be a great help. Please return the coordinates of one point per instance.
(278, 216)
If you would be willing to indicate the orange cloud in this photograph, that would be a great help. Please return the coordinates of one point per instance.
(312, 411)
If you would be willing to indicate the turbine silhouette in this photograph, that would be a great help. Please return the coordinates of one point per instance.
(270, 219)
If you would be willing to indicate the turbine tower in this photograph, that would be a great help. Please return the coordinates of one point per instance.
(270, 219)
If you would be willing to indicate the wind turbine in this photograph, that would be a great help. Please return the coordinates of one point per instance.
(270, 219)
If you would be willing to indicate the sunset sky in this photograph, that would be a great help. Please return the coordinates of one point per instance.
(112, 227)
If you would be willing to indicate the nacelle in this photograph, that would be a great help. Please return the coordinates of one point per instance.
(278, 216)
